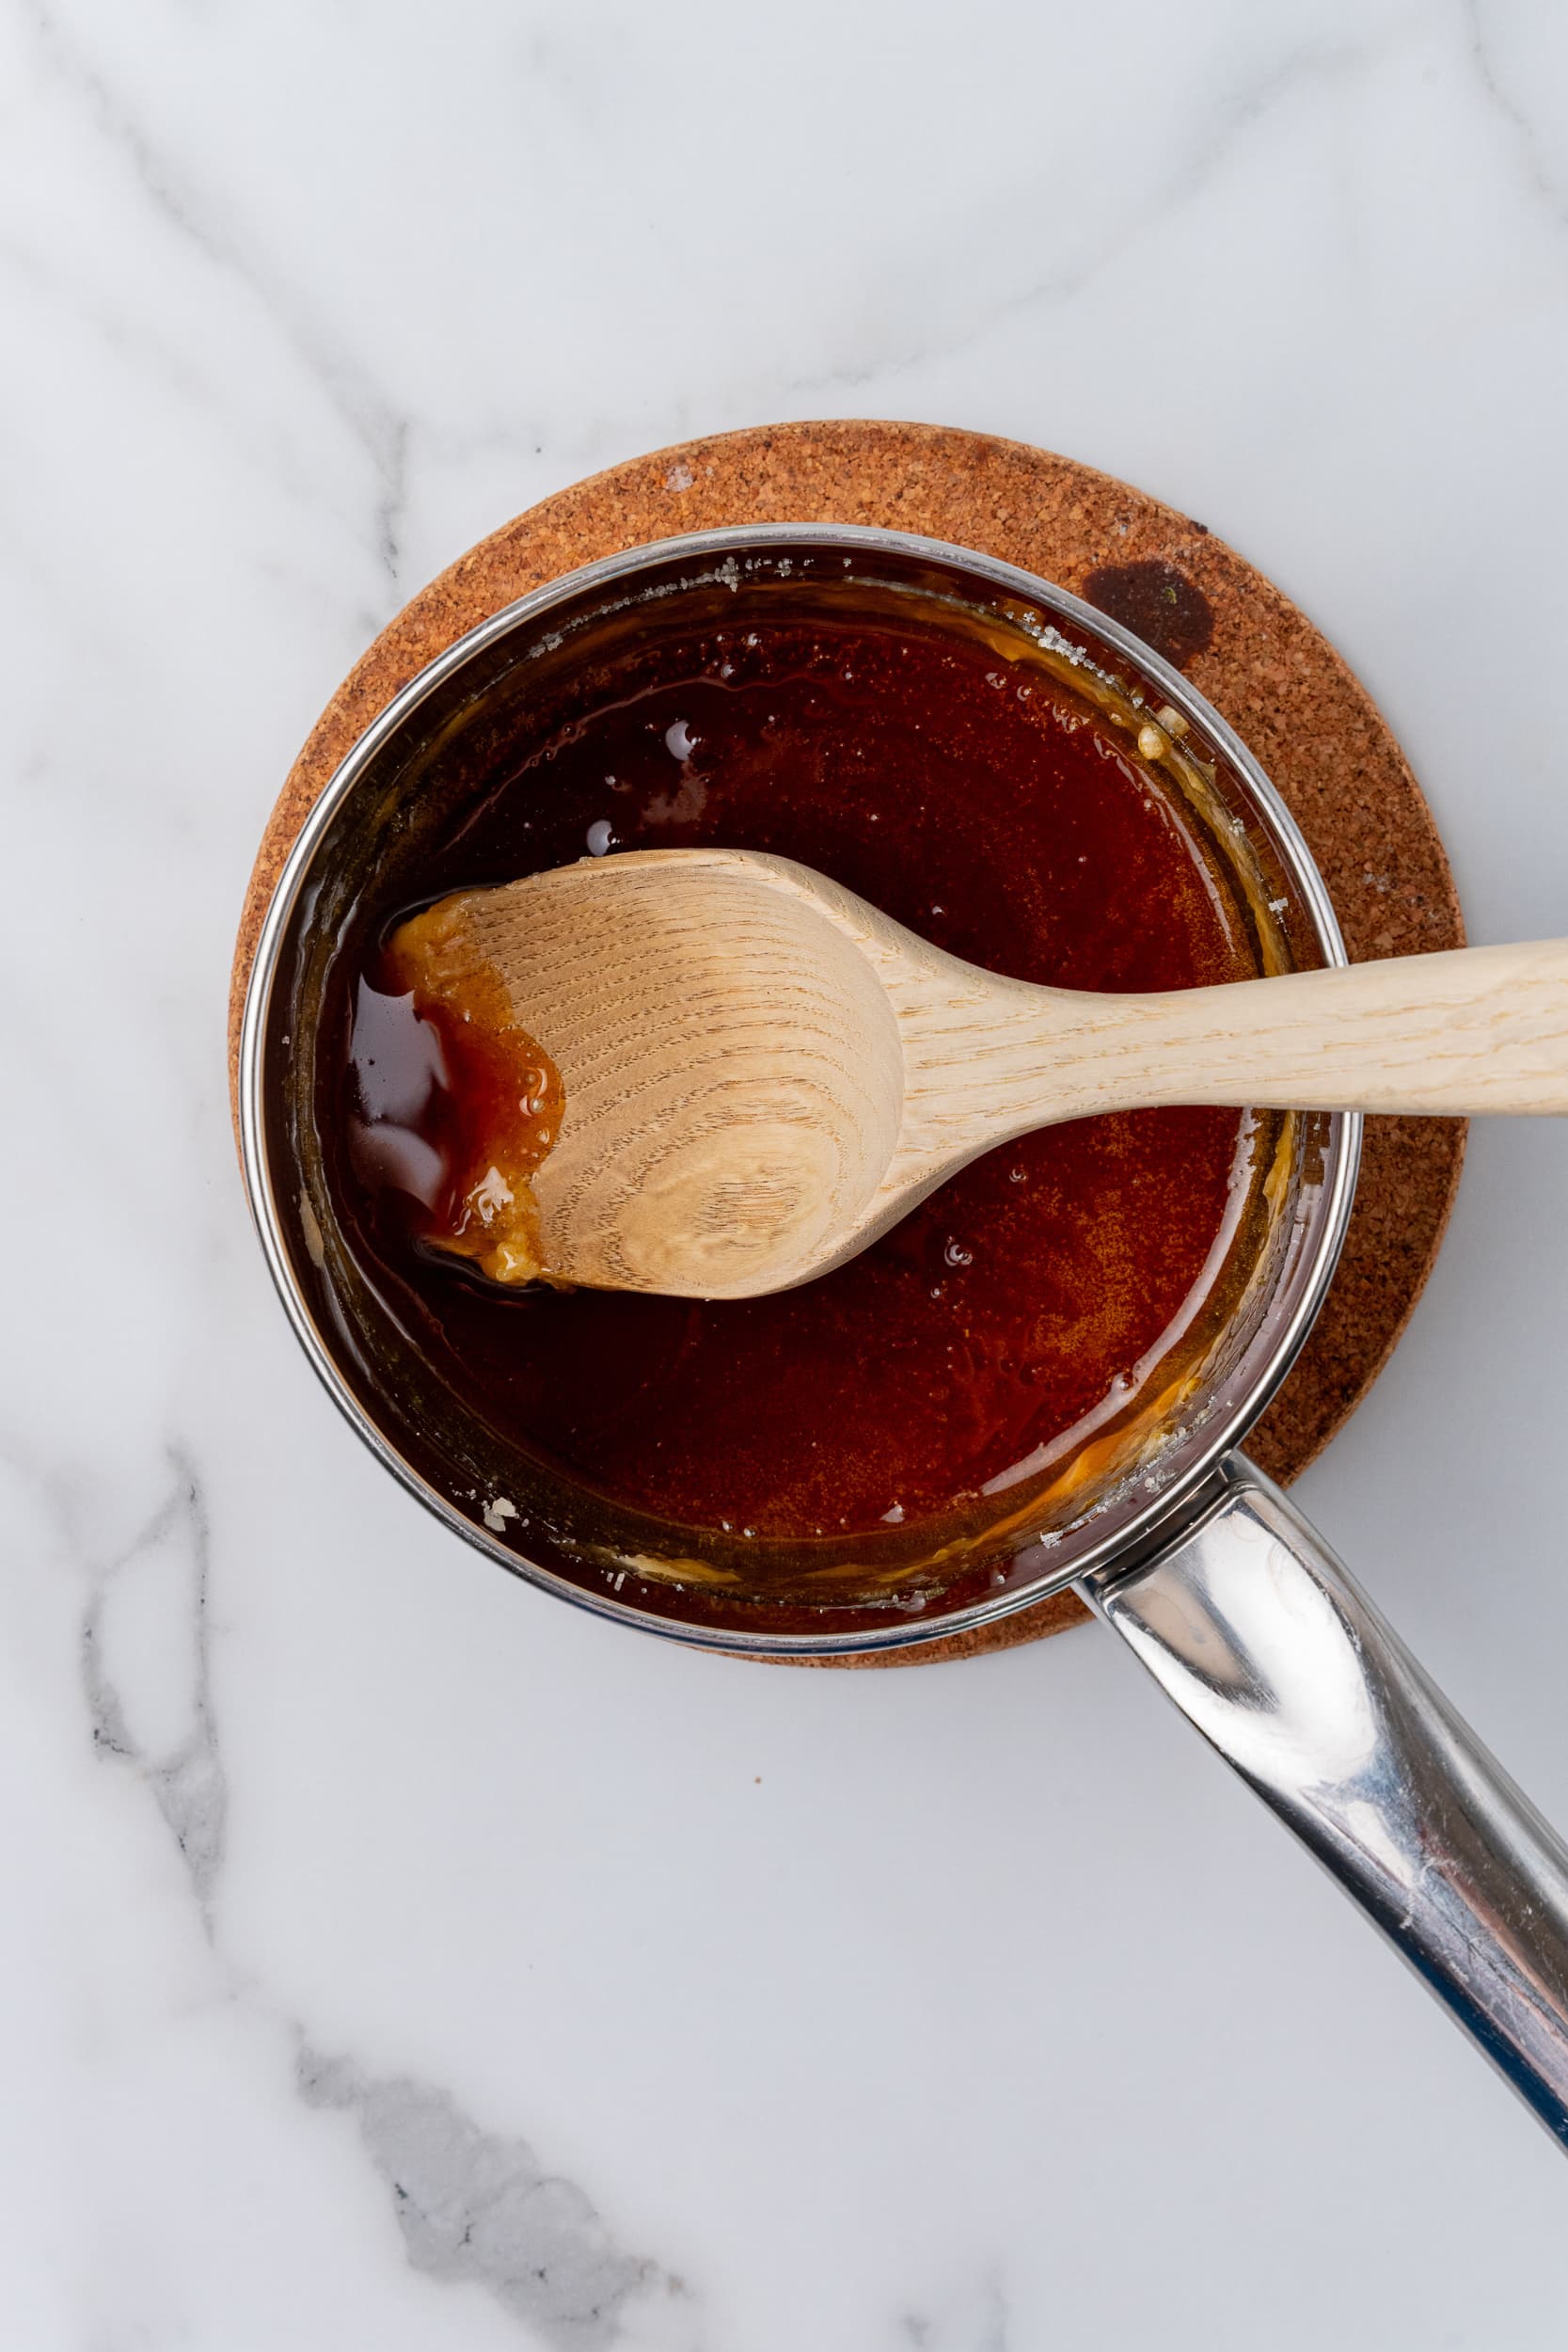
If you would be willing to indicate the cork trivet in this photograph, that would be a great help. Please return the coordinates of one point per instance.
(1240, 641)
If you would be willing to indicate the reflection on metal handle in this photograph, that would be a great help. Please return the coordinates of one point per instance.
(1257, 1632)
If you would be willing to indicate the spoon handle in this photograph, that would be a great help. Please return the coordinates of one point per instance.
(1475, 1030)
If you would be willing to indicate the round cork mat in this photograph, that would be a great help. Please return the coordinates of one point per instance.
(1245, 646)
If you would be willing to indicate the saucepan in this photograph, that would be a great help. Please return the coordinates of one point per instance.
(1181, 1545)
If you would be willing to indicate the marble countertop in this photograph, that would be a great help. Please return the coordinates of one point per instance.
(393, 1956)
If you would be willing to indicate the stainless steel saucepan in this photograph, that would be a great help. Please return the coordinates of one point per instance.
(1232, 1601)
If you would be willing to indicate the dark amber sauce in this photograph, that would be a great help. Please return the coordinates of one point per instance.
(979, 804)
(450, 1087)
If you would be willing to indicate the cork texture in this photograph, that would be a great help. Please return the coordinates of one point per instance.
(1243, 643)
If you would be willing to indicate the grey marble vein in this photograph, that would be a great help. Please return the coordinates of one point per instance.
(375, 424)
(1546, 187)
(391, 507)
(186, 1777)
(988, 2333)
(473, 2205)
(1200, 159)
(128, 336)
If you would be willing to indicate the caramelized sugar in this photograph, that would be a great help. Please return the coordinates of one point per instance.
(462, 1094)
(1039, 1297)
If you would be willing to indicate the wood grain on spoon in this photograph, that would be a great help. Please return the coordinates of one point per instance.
(762, 1073)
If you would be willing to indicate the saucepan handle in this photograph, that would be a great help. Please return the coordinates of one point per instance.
(1253, 1628)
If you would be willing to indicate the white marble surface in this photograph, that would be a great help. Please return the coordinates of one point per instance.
(392, 1957)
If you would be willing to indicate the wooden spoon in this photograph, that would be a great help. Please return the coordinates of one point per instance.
(762, 1073)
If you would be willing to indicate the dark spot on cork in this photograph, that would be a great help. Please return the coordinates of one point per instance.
(1158, 603)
